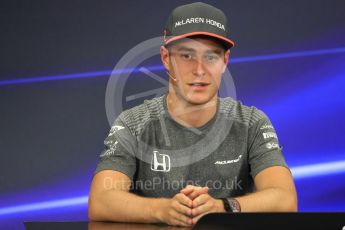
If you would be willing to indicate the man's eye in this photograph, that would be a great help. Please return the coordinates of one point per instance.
(186, 56)
(211, 58)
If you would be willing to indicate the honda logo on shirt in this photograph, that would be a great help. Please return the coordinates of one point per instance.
(160, 162)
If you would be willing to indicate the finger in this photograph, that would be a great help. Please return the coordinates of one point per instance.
(194, 194)
(182, 209)
(205, 189)
(181, 219)
(200, 200)
(182, 224)
(194, 191)
(179, 223)
(202, 209)
(197, 218)
(188, 189)
(183, 199)
(198, 192)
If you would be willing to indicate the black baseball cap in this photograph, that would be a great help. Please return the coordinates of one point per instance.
(197, 19)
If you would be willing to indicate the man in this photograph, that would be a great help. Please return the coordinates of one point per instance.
(225, 156)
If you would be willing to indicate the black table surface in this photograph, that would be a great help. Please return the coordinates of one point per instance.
(83, 225)
(218, 221)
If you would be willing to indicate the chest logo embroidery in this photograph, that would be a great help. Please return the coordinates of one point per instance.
(228, 161)
(160, 162)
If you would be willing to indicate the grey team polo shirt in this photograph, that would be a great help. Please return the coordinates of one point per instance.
(161, 156)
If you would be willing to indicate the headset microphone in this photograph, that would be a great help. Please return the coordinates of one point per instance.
(171, 76)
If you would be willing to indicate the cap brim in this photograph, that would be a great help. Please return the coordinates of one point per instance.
(225, 40)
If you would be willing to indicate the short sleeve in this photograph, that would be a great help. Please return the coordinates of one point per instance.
(119, 152)
(264, 149)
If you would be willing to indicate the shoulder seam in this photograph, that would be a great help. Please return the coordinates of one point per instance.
(238, 112)
(137, 117)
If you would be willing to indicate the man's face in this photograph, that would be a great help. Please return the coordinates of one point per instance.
(198, 65)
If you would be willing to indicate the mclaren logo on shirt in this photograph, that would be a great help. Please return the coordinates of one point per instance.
(229, 161)
(160, 162)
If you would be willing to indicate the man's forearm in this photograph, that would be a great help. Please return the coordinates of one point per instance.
(269, 200)
(123, 206)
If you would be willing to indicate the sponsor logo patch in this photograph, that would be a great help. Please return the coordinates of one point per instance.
(111, 150)
(228, 161)
(267, 127)
(115, 128)
(160, 162)
(270, 135)
(271, 145)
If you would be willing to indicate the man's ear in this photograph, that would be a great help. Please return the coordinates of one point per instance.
(226, 59)
(165, 57)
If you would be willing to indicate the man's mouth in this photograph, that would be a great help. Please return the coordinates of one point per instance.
(199, 85)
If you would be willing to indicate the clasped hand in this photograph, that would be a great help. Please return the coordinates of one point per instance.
(190, 204)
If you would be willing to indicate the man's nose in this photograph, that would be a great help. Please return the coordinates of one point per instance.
(199, 69)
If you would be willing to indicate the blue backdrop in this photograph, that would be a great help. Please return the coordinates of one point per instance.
(56, 58)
